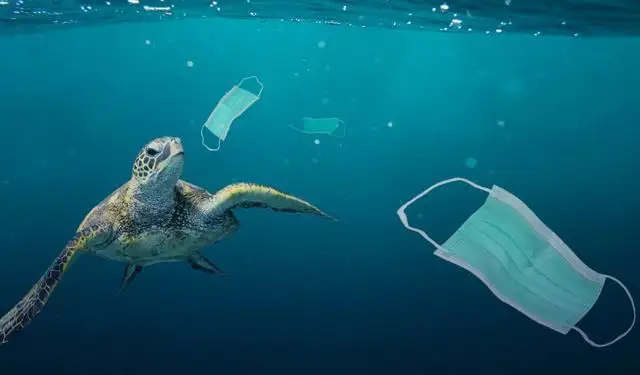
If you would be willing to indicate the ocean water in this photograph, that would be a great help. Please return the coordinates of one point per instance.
(551, 118)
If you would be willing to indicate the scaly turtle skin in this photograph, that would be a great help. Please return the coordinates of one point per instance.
(154, 217)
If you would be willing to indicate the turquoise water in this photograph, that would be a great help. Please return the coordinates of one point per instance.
(540, 17)
(553, 120)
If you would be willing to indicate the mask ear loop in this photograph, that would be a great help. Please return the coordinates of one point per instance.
(403, 216)
(301, 131)
(344, 132)
(257, 80)
(205, 146)
(620, 336)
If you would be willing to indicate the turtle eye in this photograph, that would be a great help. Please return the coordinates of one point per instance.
(152, 151)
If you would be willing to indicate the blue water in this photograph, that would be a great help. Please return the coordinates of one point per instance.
(584, 18)
(303, 295)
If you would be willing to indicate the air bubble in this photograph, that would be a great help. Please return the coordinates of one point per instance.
(471, 162)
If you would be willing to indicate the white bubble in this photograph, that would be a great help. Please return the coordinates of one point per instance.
(501, 123)
(444, 7)
(322, 44)
(147, 42)
(470, 162)
(316, 141)
(189, 64)
(390, 124)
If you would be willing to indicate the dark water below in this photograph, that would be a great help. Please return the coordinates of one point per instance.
(537, 17)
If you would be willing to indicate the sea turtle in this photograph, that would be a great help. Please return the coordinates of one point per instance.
(154, 217)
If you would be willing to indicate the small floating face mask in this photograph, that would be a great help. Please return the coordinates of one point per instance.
(233, 104)
(322, 126)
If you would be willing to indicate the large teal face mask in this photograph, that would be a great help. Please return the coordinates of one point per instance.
(522, 261)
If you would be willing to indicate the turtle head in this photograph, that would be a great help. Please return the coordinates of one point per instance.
(159, 164)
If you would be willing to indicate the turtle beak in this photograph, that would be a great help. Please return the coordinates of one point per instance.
(176, 146)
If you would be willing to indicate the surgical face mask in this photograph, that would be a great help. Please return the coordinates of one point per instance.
(322, 126)
(231, 106)
(522, 262)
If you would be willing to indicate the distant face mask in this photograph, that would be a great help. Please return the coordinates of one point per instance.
(327, 126)
(522, 262)
(230, 107)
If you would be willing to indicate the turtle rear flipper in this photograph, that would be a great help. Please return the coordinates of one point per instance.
(32, 303)
(130, 273)
(198, 262)
(245, 195)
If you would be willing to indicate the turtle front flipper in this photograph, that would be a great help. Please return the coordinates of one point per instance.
(245, 195)
(32, 303)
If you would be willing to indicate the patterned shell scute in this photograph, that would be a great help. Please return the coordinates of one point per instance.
(168, 239)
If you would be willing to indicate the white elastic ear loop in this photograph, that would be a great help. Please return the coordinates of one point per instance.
(301, 130)
(205, 146)
(403, 216)
(620, 336)
(344, 132)
(257, 80)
